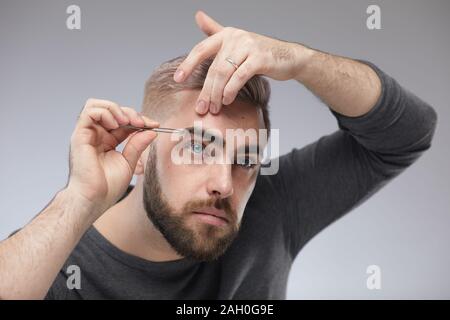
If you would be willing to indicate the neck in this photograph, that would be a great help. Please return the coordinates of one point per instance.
(127, 226)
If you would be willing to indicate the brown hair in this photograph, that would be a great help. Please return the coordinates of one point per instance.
(160, 87)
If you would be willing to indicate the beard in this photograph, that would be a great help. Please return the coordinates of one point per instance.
(202, 241)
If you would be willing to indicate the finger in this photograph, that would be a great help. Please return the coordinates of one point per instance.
(201, 51)
(122, 133)
(100, 116)
(238, 80)
(224, 70)
(135, 119)
(103, 122)
(207, 24)
(92, 128)
(204, 98)
(113, 107)
(150, 122)
(136, 145)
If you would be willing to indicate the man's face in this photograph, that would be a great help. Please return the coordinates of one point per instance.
(198, 207)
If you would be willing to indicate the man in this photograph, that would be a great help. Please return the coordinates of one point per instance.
(217, 230)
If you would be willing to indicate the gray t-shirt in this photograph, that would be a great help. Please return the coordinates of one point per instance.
(315, 185)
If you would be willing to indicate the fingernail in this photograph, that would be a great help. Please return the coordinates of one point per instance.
(201, 106)
(151, 121)
(225, 100)
(152, 134)
(179, 75)
(123, 119)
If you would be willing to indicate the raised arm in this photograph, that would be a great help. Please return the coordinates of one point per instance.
(333, 175)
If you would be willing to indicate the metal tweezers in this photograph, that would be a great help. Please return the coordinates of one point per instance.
(157, 129)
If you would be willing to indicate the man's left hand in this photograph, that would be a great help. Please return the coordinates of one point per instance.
(239, 55)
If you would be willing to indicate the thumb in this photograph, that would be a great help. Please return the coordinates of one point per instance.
(136, 145)
(208, 25)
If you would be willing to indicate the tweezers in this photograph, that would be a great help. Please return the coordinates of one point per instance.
(157, 129)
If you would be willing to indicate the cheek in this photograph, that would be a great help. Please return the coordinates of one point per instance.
(179, 182)
(172, 182)
(243, 190)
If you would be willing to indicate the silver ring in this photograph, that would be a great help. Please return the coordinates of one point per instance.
(232, 63)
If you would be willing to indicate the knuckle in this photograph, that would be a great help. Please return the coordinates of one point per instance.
(91, 112)
(242, 73)
(89, 102)
(260, 62)
(216, 96)
(221, 72)
(249, 42)
(204, 94)
(128, 110)
(114, 106)
(183, 66)
(249, 66)
(228, 93)
(229, 29)
(240, 33)
(205, 98)
(199, 48)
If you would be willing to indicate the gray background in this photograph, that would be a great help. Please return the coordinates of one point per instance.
(47, 72)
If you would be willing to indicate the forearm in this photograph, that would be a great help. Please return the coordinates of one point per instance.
(31, 258)
(373, 107)
(348, 87)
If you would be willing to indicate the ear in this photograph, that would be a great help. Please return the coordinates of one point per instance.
(208, 25)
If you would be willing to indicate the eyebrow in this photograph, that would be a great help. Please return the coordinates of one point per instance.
(246, 148)
(203, 132)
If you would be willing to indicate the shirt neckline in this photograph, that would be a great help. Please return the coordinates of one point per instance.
(136, 262)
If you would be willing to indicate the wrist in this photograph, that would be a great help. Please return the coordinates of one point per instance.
(304, 59)
(78, 207)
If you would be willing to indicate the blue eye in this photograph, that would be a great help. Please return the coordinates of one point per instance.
(196, 147)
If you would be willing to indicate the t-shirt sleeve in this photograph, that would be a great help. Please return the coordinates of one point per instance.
(326, 179)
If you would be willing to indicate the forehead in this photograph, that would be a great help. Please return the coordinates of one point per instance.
(238, 115)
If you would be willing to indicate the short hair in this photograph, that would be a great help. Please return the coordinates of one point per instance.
(160, 87)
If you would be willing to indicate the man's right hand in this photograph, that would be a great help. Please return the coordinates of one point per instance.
(99, 173)
(99, 176)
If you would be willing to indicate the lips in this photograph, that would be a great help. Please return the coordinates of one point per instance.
(213, 212)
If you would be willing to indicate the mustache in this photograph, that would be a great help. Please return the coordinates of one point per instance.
(220, 204)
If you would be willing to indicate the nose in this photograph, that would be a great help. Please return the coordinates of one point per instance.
(220, 181)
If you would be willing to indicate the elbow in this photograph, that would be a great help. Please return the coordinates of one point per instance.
(431, 124)
(426, 130)
(391, 162)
